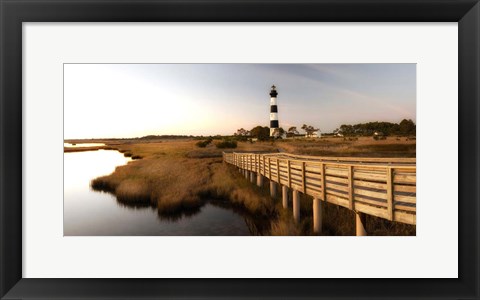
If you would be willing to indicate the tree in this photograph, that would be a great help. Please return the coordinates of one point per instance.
(261, 133)
(278, 132)
(309, 129)
(242, 132)
(407, 127)
(292, 131)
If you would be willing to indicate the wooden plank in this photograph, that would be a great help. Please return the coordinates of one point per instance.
(405, 217)
(406, 199)
(313, 193)
(283, 181)
(405, 188)
(360, 198)
(368, 184)
(405, 178)
(314, 168)
(371, 210)
(343, 188)
(390, 194)
(336, 171)
(295, 176)
(296, 186)
(405, 207)
(316, 181)
(403, 169)
(337, 200)
(296, 164)
(313, 175)
(373, 194)
(370, 176)
(336, 179)
(314, 187)
(338, 194)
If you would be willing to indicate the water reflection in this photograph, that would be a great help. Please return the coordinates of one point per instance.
(73, 145)
(88, 212)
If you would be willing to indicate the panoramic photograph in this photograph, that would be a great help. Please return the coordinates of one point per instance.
(239, 150)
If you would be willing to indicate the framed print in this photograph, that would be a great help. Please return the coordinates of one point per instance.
(239, 149)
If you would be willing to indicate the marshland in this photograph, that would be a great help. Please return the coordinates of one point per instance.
(164, 171)
(163, 186)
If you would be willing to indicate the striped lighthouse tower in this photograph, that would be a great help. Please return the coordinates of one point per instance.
(273, 112)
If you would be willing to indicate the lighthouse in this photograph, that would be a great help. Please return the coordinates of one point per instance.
(273, 112)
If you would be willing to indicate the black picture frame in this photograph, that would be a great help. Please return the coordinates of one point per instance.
(14, 12)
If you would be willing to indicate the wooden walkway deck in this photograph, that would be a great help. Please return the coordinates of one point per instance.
(381, 187)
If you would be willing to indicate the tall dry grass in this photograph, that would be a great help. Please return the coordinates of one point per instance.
(362, 147)
(176, 178)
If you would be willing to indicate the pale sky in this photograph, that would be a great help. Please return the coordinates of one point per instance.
(134, 100)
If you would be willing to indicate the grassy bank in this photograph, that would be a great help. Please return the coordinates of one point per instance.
(177, 177)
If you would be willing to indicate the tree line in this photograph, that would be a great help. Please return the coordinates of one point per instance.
(404, 128)
(262, 133)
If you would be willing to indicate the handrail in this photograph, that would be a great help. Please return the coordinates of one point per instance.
(382, 187)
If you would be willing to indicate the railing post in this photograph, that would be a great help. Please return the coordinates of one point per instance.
(278, 171)
(304, 184)
(350, 187)
(324, 183)
(264, 167)
(317, 215)
(289, 177)
(390, 204)
(269, 169)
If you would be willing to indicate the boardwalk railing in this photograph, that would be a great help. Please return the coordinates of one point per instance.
(382, 187)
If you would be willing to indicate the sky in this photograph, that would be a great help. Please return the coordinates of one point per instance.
(134, 100)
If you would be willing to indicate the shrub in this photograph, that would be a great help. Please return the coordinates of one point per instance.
(203, 144)
(227, 144)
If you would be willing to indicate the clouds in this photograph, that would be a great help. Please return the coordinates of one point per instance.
(122, 100)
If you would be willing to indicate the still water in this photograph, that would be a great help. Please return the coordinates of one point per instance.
(82, 145)
(88, 212)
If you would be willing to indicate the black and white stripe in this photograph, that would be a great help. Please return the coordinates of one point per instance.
(273, 111)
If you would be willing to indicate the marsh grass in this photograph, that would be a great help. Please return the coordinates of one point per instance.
(177, 178)
(361, 147)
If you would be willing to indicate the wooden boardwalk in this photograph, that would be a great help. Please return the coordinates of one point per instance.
(381, 187)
